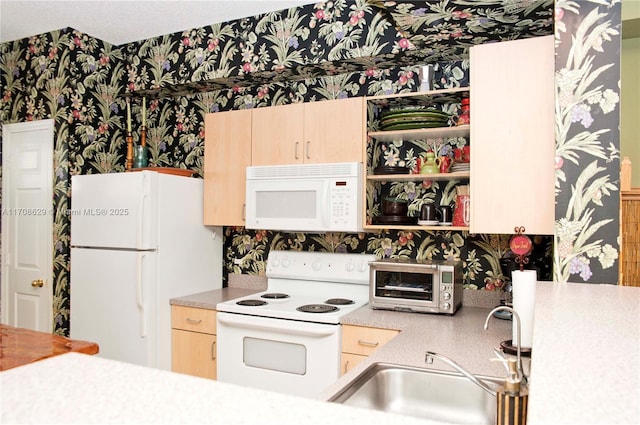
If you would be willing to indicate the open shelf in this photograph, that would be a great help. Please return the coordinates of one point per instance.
(462, 175)
(414, 227)
(421, 133)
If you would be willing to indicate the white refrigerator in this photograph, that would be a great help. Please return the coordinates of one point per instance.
(137, 240)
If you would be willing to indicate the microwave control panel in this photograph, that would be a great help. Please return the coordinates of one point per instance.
(343, 198)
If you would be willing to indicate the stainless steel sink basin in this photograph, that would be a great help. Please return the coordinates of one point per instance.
(429, 394)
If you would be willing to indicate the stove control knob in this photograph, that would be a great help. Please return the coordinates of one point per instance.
(285, 262)
(364, 265)
(316, 265)
(350, 266)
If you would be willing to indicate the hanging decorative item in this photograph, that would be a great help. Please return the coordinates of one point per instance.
(521, 246)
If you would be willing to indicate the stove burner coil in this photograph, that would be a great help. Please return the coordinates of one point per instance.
(275, 295)
(339, 301)
(251, 303)
(317, 308)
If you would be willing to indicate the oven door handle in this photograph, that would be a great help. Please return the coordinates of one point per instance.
(283, 326)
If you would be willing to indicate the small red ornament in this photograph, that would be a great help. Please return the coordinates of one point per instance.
(521, 245)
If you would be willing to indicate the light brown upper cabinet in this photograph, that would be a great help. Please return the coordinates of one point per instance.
(315, 132)
(227, 154)
(512, 136)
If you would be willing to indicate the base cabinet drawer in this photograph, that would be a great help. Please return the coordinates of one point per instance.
(193, 319)
(364, 340)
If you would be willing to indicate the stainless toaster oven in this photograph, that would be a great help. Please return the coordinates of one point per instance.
(423, 286)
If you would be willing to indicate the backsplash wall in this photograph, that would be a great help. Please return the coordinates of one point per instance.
(80, 82)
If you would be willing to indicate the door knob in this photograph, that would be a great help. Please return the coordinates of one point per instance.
(38, 283)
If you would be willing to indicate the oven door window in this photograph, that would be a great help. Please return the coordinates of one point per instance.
(405, 285)
(282, 356)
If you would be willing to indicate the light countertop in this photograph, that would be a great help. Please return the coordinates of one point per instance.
(209, 299)
(83, 389)
(585, 369)
(586, 355)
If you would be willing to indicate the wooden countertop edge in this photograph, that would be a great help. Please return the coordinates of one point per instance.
(19, 346)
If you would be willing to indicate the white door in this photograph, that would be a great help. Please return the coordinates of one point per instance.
(27, 222)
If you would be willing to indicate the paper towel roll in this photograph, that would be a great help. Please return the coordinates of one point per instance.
(524, 299)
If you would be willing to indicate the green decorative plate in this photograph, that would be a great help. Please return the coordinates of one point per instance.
(395, 113)
(418, 118)
(413, 125)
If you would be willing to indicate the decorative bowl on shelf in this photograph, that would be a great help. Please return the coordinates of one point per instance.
(394, 207)
(391, 170)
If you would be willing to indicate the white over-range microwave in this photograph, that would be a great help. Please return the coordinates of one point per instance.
(305, 198)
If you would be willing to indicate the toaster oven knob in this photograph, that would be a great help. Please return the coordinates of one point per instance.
(446, 306)
(446, 295)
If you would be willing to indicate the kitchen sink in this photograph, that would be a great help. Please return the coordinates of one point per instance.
(439, 396)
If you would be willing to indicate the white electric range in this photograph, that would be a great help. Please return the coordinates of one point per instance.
(288, 338)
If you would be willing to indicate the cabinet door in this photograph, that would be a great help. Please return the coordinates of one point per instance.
(348, 361)
(334, 130)
(193, 353)
(277, 135)
(227, 153)
(512, 136)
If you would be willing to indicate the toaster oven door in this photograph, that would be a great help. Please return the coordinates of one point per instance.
(406, 287)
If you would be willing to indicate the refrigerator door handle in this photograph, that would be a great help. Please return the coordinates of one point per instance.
(139, 297)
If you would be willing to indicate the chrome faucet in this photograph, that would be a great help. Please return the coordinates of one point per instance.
(516, 317)
(429, 360)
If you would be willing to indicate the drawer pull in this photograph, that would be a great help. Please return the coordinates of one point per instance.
(193, 321)
(368, 344)
(346, 366)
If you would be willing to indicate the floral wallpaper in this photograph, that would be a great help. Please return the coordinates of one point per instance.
(327, 50)
(587, 141)
(73, 79)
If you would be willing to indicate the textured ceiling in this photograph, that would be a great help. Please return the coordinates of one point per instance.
(119, 22)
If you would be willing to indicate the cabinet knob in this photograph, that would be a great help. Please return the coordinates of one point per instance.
(38, 283)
